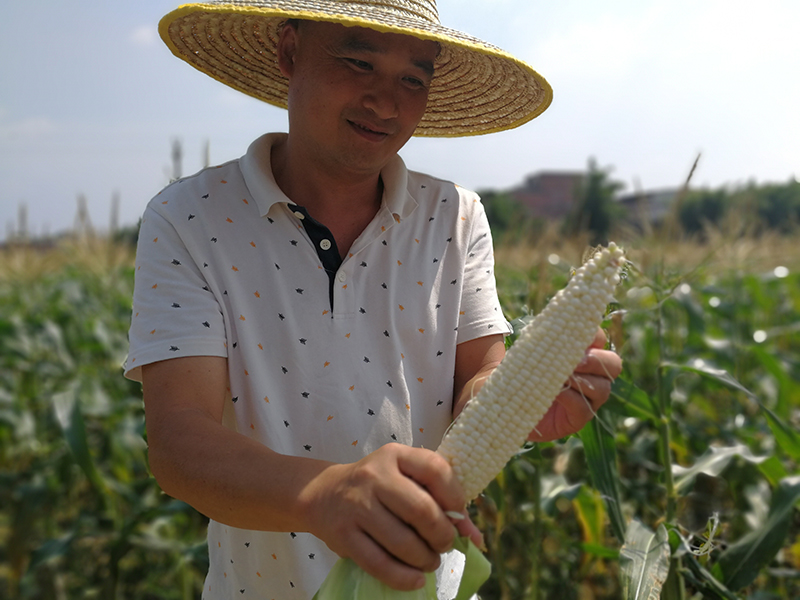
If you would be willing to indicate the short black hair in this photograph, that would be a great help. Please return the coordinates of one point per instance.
(293, 22)
(296, 24)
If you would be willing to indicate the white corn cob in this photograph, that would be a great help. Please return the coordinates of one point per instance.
(515, 397)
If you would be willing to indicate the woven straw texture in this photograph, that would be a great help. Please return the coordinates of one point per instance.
(477, 88)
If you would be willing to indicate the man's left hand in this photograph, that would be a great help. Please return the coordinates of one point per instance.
(585, 392)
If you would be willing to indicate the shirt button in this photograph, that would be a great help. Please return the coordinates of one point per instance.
(325, 244)
(299, 215)
(342, 276)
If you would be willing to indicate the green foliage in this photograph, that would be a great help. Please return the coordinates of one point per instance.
(81, 516)
(601, 459)
(128, 236)
(774, 207)
(701, 208)
(754, 209)
(346, 580)
(508, 219)
(702, 341)
(699, 440)
(742, 562)
(595, 209)
(778, 206)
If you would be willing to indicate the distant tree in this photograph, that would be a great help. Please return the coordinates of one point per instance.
(508, 219)
(703, 207)
(128, 235)
(595, 210)
(778, 206)
(502, 210)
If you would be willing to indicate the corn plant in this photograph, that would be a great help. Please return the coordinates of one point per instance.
(686, 484)
(81, 516)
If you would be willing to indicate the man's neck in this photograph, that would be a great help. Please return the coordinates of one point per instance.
(345, 202)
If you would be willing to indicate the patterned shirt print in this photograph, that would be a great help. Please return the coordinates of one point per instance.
(226, 268)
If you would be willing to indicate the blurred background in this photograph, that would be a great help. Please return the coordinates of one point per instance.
(91, 101)
(674, 131)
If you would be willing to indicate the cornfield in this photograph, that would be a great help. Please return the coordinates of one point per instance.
(685, 485)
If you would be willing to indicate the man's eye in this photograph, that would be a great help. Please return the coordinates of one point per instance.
(360, 64)
(414, 82)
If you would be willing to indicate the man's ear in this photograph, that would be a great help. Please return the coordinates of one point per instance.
(286, 49)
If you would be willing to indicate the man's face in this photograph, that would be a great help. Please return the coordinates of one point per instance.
(355, 95)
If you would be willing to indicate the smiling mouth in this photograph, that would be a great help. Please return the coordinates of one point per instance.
(367, 130)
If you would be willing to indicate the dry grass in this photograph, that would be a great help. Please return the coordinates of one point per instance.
(21, 263)
(720, 251)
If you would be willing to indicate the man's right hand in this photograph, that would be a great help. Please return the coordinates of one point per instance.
(387, 512)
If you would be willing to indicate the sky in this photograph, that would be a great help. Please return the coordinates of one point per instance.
(91, 101)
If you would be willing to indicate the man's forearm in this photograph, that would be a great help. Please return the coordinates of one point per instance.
(475, 360)
(471, 389)
(229, 477)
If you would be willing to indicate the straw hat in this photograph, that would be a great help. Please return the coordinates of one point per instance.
(477, 88)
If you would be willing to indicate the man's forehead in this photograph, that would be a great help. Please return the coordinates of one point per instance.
(362, 39)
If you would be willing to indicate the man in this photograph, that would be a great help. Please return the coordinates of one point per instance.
(299, 310)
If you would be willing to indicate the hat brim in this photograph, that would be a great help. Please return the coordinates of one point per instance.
(477, 88)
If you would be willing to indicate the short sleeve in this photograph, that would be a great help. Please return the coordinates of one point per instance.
(480, 306)
(175, 313)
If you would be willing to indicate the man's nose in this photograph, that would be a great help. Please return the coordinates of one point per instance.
(382, 98)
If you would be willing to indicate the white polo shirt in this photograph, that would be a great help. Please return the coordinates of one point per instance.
(329, 367)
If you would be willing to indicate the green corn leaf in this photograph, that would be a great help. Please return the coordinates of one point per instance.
(51, 549)
(476, 568)
(712, 463)
(644, 562)
(347, 580)
(787, 387)
(741, 562)
(630, 401)
(701, 367)
(788, 439)
(601, 458)
(555, 487)
(704, 581)
(591, 515)
(70, 418)
(600, 551)
(773, 470)
(693, 572)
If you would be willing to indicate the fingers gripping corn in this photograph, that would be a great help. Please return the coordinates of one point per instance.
(515, 397)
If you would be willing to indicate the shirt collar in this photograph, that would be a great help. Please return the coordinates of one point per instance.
(256, 170)
(256, 167)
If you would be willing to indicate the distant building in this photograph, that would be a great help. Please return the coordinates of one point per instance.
(649, 206)
(549, 194)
